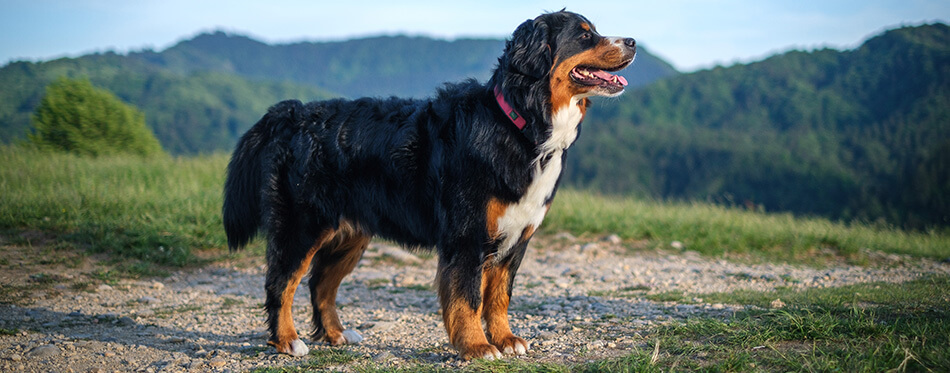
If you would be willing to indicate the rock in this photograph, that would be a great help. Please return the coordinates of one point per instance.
(217, 362)
(104, 287)
(157, 285)
(383, 357)
(547, 335)
(677, 245)
(16, 357)
(126, 321)
(777, 303)
(613, 239)
(45, 351)
(148, 300)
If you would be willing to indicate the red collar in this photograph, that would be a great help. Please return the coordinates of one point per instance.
(515, 117)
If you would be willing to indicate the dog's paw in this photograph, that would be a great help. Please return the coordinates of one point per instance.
(293, 348)
(513, 345)
(352, 337)
(481, 351)
(347, 337)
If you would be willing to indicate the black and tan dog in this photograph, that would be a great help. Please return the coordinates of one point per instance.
(471, 172)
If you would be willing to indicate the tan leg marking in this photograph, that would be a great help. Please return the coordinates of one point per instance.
(286, 333)
(495, 310)
(351, 244)
(462, 323)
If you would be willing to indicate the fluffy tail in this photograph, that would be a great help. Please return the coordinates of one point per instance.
(251, 165)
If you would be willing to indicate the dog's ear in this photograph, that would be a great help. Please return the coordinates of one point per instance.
(529, 51)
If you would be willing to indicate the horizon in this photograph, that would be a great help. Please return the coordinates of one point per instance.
(689, 35)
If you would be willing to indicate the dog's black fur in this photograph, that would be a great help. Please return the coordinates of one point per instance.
(321, 178)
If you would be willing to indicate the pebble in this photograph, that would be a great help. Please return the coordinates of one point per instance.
(217, 362)
(45, 351)
(383, 357)
(613, 239)
(777, 303)
(104, 287)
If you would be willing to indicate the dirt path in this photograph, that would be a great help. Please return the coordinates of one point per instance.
(55, 317)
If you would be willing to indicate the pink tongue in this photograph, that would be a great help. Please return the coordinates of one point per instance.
(608, 76)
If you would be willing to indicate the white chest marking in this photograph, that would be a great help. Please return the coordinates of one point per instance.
(531, 208)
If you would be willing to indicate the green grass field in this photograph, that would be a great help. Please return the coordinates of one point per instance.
(163, 210)
(165, 213)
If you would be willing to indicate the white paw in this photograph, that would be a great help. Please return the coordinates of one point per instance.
(522, 349)
(492, 355)
(298, 348)
(352, 337)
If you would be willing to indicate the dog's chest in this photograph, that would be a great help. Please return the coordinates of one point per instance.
(526, 215)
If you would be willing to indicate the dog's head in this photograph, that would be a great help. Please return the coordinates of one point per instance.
(565, 50)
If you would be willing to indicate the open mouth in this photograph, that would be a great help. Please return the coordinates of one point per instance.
(591, 76)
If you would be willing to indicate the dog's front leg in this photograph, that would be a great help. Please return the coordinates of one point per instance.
(461, 283)
(497, 279)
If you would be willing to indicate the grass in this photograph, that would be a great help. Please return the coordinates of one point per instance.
(157, 211)
(721, 231)
(866, 327)
(162, 210)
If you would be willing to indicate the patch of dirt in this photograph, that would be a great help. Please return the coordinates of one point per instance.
(574, 300)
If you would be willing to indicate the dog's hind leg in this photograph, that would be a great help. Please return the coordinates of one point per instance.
(334, 261)
(287, 262)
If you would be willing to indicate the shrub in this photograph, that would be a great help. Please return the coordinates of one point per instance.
(76, 117)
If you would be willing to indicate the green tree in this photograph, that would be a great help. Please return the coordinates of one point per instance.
(76, 117)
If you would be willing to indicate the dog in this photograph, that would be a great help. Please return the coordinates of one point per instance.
(470, 172)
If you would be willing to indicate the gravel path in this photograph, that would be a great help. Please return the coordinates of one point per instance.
(211, 319)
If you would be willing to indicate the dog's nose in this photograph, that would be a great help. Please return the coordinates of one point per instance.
(630, 42)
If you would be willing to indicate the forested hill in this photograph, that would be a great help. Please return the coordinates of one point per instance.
(202, 93)
(377, 66)
(863, 133)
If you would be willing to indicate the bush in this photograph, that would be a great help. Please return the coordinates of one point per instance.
(76, 117)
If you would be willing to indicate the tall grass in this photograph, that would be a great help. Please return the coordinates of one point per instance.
(160, 210)
(716, 230)
(157, 209)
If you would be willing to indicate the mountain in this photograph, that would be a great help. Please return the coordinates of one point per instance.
(201, 94)
(376, 66)
(199, 112)
(857, 134)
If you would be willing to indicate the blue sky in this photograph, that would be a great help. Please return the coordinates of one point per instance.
(689, 34)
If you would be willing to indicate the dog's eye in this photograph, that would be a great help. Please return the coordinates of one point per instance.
(585, 36)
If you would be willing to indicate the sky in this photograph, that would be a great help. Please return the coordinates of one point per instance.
(691, 35)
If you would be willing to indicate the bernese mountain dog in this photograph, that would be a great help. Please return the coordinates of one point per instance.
(470, 172)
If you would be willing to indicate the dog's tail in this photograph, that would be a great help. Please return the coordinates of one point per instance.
(256, 161)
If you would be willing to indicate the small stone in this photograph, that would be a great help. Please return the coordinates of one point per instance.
(126, 321)
(217, 362)
(148, 300)
(383, 357)
(677, 245)
(157, 285)
(613, 239)
(547, 335)
(16, 357)
(777, 303)
(44, 351)
(104, 287)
